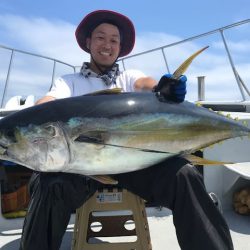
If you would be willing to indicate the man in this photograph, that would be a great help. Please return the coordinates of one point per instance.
(173, 183)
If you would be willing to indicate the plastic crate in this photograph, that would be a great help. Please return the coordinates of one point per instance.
(16, 200)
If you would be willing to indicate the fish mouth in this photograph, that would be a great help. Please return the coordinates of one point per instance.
(5, 143)
(3, 152)
(3, 146)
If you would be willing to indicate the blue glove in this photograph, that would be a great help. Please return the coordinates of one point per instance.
(172, 89)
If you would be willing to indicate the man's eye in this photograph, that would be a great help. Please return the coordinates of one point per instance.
(114, 41)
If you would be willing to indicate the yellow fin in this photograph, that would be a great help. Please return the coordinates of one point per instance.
(183, 67)
(107, 91)
(196, 160)
(104, 179)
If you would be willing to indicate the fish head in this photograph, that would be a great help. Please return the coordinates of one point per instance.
(36, 146)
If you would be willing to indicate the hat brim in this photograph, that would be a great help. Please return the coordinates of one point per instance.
(95, 18)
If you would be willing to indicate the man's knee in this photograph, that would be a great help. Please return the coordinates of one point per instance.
(189, 171)
(189, 176)
(60, 188)
(55, 183)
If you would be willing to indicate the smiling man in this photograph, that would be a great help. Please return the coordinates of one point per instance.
(173, 183)
(106, 36)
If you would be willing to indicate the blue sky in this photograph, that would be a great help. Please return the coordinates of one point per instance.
(47, 28)
(182, 18)
(176, 17)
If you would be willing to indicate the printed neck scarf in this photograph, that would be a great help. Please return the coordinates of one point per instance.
(108, 77)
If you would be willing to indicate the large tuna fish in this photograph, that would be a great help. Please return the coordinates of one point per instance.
(109, 133)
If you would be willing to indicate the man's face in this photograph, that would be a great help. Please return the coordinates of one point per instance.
(104, 44)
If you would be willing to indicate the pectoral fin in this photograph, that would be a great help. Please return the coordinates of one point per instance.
(196, 160)
(104, 179)
(91, 137)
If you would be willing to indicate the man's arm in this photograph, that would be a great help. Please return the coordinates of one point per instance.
(144, 83)
(45, 99)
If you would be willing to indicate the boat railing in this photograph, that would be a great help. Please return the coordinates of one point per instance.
(15, 80)
(241, 85)
(14, 56)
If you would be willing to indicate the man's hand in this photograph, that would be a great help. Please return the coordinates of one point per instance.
(172, 89)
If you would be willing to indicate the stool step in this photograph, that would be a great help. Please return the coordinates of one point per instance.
(112, 219)
(110, 226)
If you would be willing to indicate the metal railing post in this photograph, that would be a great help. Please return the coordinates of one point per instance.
(53, 74)
(201, 88)
(232, 65)
(7, 78)
(123, 65)
(165, 59)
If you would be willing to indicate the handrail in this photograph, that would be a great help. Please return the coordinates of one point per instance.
(37, 55)
(13, 51)
(238, 79)
(188, 39)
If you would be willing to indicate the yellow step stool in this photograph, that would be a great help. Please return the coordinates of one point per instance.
(112, 219)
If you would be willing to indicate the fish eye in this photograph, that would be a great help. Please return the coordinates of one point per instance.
(10, 133)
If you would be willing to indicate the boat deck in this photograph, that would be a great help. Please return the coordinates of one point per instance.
(161, 230)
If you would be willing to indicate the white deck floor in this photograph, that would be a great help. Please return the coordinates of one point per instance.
(161, 230)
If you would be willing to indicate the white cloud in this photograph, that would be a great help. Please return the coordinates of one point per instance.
(240, 46)
(150, 40)
(50, 38)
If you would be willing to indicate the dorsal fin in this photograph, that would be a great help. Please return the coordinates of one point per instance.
(106, 92)
(183, 67)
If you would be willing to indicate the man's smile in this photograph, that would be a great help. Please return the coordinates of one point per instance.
(103, 53)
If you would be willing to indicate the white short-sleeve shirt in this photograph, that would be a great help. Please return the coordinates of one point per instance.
(77, 84)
